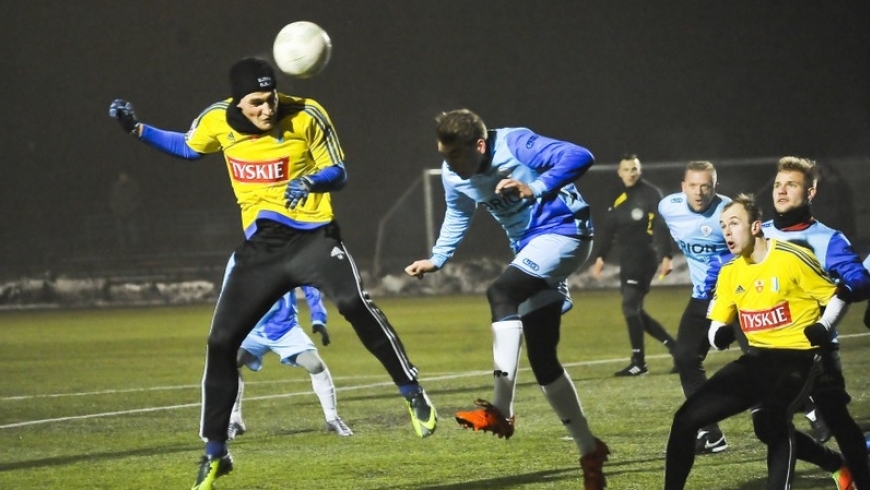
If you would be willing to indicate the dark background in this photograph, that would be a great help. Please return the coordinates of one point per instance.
(672, 81)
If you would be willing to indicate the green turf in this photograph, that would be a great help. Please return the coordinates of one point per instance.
(122, 390)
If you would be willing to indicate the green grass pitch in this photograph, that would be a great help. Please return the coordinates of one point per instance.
(109, 399)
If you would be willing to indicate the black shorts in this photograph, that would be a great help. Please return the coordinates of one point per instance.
(831, 383)
(638, 273)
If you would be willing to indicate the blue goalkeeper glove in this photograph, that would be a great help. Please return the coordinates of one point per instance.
(321, 329)
(818, 335)
(721, 337)
(297, 192)
(123, 112)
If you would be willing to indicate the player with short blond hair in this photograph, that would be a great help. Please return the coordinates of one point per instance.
(795, 185)
(692, 216)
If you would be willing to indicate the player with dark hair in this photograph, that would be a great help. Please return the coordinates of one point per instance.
(525, 181)
(693, 219)
(794, 188)
(778, 291)
(641, 236)
(283, 158)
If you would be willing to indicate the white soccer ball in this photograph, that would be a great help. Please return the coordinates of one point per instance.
(302, 49)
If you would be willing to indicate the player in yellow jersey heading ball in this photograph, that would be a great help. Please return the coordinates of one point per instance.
(283, 158)
(777, 290)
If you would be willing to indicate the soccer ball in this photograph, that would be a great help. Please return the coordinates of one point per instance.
(302, 49)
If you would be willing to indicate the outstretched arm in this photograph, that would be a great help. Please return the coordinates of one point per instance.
(170, 142)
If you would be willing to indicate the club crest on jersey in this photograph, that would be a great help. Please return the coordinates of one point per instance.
(706, 230)
(637, 214)
(258, 172)
(759, 285)
(337, 253)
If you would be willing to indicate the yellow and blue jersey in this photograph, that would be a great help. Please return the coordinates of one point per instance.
(260, 165)
(775, 299)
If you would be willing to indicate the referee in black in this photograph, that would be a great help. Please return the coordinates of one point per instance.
(633, 223)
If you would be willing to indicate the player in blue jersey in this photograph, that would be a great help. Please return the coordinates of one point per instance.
(692, 217)
(794, 187)
(525, 181)
(279, 331)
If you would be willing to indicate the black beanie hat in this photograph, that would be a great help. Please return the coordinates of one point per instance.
(251, 75)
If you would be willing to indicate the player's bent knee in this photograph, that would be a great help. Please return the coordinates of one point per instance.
(223, 343)
(548, 374)
(244, 357)
(310, 361)
(686, 359)
(545, 366)
(761, 427)
(513, 287)
(686, 420)
(497, 294)
(353, 307)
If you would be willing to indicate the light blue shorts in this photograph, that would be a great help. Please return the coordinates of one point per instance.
(290, 345)
(552, 258)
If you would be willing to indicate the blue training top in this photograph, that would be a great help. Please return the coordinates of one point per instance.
(548, 166)
(700, 238)
(833, 251)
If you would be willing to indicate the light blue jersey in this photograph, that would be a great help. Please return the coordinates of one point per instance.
(833, 251)
(549, 167)
(700, 238)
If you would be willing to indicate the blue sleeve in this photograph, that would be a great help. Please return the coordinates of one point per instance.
(315, 304)
(457, 219)
(716, 263)
(559, 162)
(845, 266)
(171, 142)
(331, 178)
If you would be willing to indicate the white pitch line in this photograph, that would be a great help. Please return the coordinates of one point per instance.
(441, 377)
(164, 388)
